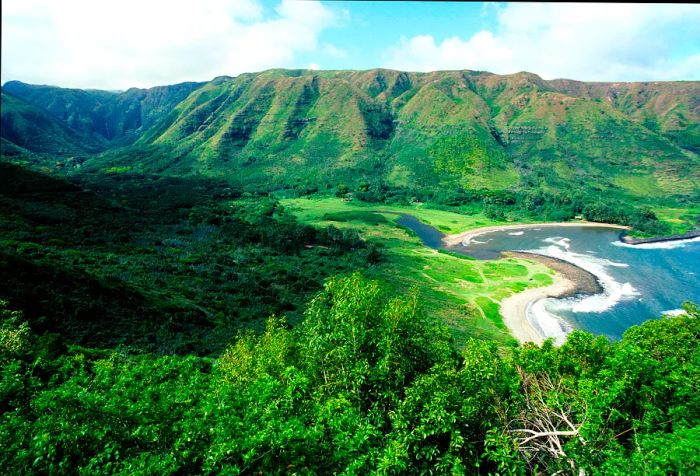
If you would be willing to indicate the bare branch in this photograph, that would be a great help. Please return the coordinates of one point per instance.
(548, 420)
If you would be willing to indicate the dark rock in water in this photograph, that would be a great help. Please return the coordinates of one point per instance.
(638, 241)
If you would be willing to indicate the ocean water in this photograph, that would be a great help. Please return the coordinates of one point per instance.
(639, 282)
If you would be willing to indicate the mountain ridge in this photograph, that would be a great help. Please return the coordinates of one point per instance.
(461, 128)
(104, 115)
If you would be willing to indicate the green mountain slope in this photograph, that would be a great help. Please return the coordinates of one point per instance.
(466, 129)
(104, 116)
(26, 127)
(138, 280)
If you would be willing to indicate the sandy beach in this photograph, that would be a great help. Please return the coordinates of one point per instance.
(459, 238)
(569, 279)
(514, 308)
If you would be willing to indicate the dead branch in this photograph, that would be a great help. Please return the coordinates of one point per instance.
(548, 420)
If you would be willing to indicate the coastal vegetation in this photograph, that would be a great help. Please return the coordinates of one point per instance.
(462, 292)
(138, 341)
(368, 383)
(509, 146)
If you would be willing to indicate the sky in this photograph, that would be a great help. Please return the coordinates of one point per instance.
(110, 44)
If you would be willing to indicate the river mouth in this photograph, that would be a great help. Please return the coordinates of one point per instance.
(633, 282)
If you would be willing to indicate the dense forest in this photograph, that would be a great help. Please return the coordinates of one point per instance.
(162, 325)
(368, 383)
(168, 265)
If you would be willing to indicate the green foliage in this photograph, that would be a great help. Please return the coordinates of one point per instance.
(135, 288)
(310, 132)
(306, 132)
(367, 384)
(369, 218)
(14, 332)
(108, 414)
(441, 424)
(31, 128)
(251, 357)
(357, 344)
(622, 398)
(464, 155)
(98, 116)
(660, 454)
(168, 265)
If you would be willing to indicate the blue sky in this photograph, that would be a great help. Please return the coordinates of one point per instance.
(370, 27)
(114, 44)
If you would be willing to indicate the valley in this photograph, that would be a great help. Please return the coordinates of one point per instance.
(264, 274)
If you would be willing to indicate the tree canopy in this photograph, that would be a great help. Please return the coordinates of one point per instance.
(368, 383)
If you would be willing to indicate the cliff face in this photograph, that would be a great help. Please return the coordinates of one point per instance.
(103, 116)
(28, 127)
(461, 128)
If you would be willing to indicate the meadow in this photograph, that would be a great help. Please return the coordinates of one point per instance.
(463, 292)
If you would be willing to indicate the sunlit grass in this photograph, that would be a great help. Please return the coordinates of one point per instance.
(456, 290)
(681, 220)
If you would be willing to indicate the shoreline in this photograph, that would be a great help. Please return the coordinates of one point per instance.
(585, 282)
(460, 238)
(660, 239)
(569, 280)
(514, 308)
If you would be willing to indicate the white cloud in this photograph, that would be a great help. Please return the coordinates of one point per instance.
(582, 41)
(333, 51)
(110, 44)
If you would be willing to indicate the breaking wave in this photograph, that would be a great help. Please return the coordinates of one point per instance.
(547, 323)
(674, 312)
(543, 314)
(659, 245)
(473, 241)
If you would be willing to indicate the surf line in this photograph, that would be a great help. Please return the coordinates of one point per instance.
(583, 283)
(544, 314)
(464, 238)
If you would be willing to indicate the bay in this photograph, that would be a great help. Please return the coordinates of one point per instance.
(640, 282)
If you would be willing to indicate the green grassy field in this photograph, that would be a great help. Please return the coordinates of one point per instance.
(313, 210)
(462, 292)
(680, 219)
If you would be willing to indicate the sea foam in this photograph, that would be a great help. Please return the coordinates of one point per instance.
(547, 323)
(674, 312)
(473, 241)
(659, 245)
(543, 314)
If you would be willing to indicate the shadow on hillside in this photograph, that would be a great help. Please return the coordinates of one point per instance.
(60, 290)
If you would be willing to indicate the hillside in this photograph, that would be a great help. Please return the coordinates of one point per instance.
(27, 127)
(214, 277)
(105, 117)
(462, 128)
